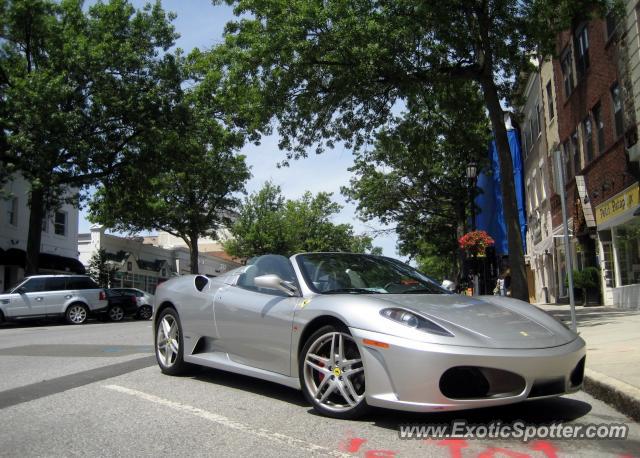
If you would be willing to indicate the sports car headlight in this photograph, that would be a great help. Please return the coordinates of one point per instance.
(412, 320)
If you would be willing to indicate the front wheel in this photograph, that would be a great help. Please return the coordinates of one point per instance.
(332, 374)
(169, 343)
(116, 313)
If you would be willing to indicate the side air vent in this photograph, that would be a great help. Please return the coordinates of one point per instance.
(201, 281)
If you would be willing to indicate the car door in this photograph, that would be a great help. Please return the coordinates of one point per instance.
(254, 323)
(56, 295)
(27, 299)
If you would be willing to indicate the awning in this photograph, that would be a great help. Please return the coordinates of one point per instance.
(17, 257)
(14, 257)
(55, 262)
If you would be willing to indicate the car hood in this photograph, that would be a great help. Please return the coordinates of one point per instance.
(487, 321)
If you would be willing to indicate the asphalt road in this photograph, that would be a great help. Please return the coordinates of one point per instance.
(94, 390)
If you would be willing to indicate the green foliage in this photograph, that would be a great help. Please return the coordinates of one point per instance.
(334, 70)
(84, 93)
(586, 278)
(191, 197)
(435, 264)
(100, 270)
(267, 223)
(415, 175)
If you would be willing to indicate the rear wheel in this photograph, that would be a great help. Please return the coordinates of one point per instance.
(116, 313)
(145, 312)
(170, 343)
(76, 314)
(332, 373)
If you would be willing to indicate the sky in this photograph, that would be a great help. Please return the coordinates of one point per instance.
(201, 24)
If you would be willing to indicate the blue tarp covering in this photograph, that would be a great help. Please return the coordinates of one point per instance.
(490, 218)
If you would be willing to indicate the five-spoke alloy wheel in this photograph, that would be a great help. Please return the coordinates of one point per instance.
(332, 373)
(77, 314)
(169, 343)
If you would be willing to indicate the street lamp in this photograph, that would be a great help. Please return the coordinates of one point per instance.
(472, 170)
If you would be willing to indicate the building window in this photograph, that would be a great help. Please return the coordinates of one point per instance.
(538, 124)
(12, 211)
(525, 141)
(567, 173)
(597, 119)
(45, 223)
(582, 51)
(567, 72)
(129, 266)
(612, 22)
(587, 130)
(60, 223)
(575, 152)
(627, 243)
(550, 101)
(617, 109)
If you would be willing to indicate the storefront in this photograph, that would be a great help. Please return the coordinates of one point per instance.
(618, 222)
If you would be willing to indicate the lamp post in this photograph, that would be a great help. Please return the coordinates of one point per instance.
(472, 171)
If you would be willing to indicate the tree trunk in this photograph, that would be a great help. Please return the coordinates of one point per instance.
(519, 288)
(193, 253)
(34, 236)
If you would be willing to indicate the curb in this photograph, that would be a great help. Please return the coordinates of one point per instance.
(622, 396)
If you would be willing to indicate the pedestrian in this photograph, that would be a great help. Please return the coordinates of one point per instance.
(499, 289)
(507, 283)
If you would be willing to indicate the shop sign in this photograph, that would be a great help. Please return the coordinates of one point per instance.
(620, 203)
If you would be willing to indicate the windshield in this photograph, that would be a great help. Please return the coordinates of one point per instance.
(334, 273)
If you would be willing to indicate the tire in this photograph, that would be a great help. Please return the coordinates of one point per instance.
(333, 382)
(145, 312)
(77, 313)
(168, 336)
(115, 313)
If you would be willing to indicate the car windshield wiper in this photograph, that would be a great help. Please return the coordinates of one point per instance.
(351, 290)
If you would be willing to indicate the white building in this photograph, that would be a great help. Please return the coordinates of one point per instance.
(59, 245)
(539, 135)
(143, 262)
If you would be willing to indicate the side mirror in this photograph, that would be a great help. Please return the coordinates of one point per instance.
(272, 281)
(449, 285)
(21, 290)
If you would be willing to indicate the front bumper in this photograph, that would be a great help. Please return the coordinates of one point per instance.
(407, 374)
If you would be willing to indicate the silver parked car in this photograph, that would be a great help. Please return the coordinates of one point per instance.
(73, 297)
(354, 330)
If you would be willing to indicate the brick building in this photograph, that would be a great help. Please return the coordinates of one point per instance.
(596, 128)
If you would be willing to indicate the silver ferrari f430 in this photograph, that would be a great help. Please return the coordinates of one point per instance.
(355, 330)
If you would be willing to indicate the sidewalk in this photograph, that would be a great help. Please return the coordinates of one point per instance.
(613, 353)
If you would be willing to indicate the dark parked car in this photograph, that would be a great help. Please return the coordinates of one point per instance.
(144, 299)
(120, 305)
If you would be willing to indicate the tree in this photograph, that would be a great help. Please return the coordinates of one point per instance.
(414, 177)
(335, 70)
(191, 197)
(268, 224)
(83, 94)
(100, 270)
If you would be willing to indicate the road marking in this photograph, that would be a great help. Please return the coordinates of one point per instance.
(67, 382)
(229, 423)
